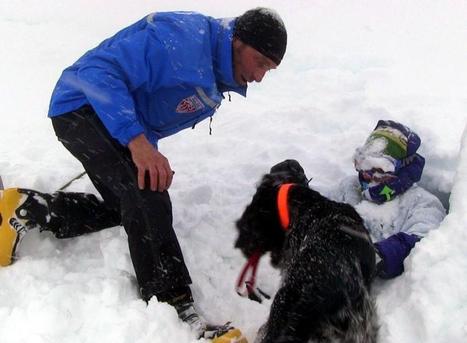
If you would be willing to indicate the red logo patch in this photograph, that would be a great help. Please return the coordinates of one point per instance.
(189, 105)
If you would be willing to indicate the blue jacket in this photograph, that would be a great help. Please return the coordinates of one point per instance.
(160, 75)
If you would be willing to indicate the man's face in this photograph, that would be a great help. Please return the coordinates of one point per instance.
(249, 64)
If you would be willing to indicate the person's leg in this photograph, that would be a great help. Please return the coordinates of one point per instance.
(65, 214)
(145, 215)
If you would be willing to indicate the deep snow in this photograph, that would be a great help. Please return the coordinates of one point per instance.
(348, 64)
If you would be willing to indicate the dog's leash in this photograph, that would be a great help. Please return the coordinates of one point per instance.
(251, 265)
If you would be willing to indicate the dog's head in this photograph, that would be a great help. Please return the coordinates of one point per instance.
(259, 228)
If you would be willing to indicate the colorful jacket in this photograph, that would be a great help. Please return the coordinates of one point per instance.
(158, 76)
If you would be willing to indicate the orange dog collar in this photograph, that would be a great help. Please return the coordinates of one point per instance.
(282, 205)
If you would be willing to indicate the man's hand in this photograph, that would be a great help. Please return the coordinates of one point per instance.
(148, 159)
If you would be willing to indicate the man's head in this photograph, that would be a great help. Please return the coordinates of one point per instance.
(387, 164)
(259, 44)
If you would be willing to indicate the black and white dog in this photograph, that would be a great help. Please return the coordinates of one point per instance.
(325, 255)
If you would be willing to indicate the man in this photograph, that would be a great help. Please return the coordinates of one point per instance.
(396, 211)
(162, 74)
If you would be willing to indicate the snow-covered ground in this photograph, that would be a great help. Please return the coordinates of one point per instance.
(348, 64)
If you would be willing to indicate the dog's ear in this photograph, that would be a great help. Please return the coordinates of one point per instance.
(289, 171)
(250, 238)
(258, 227)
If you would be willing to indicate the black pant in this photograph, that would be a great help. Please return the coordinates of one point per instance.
(145, 215)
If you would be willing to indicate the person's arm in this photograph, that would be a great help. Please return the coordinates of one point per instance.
(108, 76)
(107, 79)
(425, 213)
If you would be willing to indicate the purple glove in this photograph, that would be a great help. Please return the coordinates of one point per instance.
(393, 251)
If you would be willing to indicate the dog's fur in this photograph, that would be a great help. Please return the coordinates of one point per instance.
(326, 268)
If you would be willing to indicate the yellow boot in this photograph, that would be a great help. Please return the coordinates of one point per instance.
(12, 229)
(231, 336)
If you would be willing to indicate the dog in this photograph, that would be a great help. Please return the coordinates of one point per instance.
(325, 255)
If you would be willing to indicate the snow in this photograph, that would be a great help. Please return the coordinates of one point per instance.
(371, 155)
(272, 13)
(347, 65)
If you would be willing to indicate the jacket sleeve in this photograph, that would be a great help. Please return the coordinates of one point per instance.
(425, 212)
(108, 76)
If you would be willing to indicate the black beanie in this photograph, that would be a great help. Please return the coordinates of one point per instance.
(263, 29)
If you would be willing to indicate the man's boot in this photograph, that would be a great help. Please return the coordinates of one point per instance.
(186, 311)
(20, 211)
